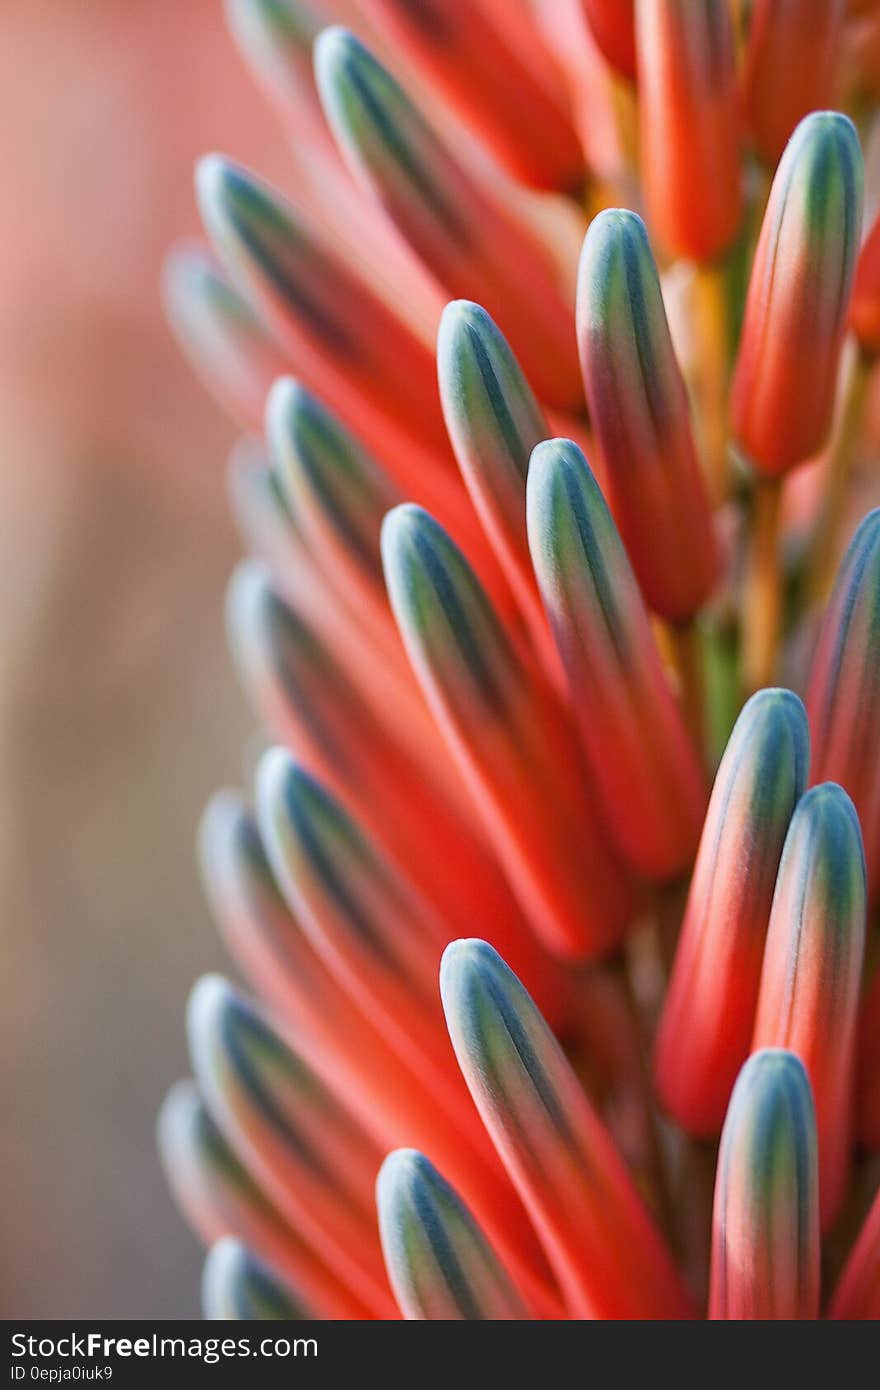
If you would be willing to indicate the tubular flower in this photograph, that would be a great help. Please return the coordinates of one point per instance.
(308, 1154)
(809, 995)
(791, 61)
(276, 38)
(639, 410)
(439, 1263)
(765, 1229)
(844, 691)
(494, 423)
(486, 925)
(220, 1197)
(689, 125)
(609, 1259)
(349, 342)
(343, 339)
(613, 25)
(467, 239)
(640, 754)
(864, 309)
(221, 334)
(339, 496)
(494, 79)
(507, 731)
(798, 297)
(706, 1026)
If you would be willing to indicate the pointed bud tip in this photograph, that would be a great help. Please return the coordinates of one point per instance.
(824, 123)
(250, 601)
(216, 176)
(613, 227)
(829, 798)
(277, 778)
(560, 488)
(552, 457)
(239, 1286)
(401, 527)
(224, 813)
(353, 85)
(212, 1001)
(178, 1113)
(466, 965)
(775, 1065)
(345, 75)
(779, 709)
(438, 1260)
(187, 265)
(297, 424)
(237, 207)
(286, 396)
(302, 432)
(459, 315)
(335, 48)
(820, 136)
(400, 1169)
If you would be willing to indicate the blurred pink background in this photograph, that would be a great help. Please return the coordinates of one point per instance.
(118, 707)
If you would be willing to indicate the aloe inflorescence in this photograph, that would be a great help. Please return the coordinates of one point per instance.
(556, 896)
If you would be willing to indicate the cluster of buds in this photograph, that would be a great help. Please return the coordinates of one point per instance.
(554, 888)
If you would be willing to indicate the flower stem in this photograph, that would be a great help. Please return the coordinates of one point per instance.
(712, 372)
(624, 102)
(762, 609)
(687, 653)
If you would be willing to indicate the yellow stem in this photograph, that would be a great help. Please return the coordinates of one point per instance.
(824, 542)
(626, 111)
(762, 612)
(687, 654)
(712, 373)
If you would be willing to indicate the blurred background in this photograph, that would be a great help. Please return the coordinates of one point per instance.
(119, 711)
